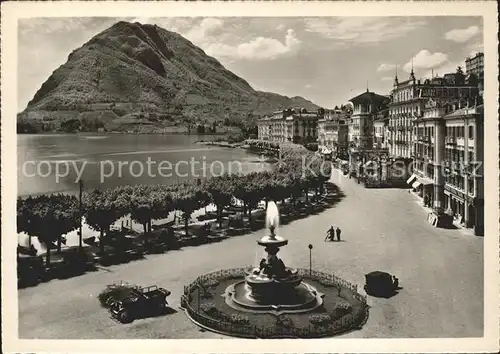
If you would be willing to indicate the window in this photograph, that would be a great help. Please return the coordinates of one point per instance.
(471, 132)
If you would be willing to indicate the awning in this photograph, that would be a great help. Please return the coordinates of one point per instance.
(416, 184)
(411, 179)
(425, 181)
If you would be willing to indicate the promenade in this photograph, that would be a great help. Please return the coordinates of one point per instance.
(441, 272)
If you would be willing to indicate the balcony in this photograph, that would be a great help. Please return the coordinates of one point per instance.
(450, 140)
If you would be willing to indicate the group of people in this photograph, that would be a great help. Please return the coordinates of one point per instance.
(330, 234)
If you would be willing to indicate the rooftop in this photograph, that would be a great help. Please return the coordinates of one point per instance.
(368, 96)
(466, 111)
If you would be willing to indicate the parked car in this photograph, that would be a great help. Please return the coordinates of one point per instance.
(381, 284)
(127, 303)
(30, 270)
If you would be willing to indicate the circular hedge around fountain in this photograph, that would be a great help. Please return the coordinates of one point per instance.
(343, 309)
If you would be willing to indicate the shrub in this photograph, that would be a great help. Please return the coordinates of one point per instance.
(208, 308)
(239, 319)
(320, 319)
(341, 309)
(236, 222)
(327, 282)
(210, 283)
(284, 321)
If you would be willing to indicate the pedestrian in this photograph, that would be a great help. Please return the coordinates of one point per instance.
(330, 234)
(338, 233)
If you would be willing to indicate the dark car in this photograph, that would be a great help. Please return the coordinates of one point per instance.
(30, 270)
(381, 284)
(134, 303)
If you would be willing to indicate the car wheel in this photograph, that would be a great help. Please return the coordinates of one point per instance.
(124, 317)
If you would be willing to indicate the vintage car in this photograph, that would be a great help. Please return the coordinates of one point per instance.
(381, 284)
(127, 303)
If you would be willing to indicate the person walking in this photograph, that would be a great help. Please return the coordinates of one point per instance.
(330, 234)
(426, 200)
(338, 233)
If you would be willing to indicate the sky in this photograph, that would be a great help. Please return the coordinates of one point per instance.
(327, 60)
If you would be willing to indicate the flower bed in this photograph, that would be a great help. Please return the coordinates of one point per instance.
(343, 309)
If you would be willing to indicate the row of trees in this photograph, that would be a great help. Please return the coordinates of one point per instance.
(49, 217)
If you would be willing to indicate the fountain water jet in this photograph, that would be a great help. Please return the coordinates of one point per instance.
(272, 287)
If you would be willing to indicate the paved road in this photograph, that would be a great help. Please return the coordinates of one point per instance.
(441, 272)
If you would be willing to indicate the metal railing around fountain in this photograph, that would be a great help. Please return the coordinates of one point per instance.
(351, 321)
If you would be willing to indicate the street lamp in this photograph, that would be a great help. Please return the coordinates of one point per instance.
(310, 259)
(80, 207)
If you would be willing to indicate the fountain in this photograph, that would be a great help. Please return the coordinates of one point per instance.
(272, 287)
(271, 300)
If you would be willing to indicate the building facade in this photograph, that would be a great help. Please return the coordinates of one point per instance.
(365, 109)
(333, 133)
(408, 100)
(475, 66)
(294, 125)
(448, 171)
(380, 130)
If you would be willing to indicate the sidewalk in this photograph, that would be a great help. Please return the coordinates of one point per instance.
(462, 228)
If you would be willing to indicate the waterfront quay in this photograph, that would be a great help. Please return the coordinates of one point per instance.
(440, 271)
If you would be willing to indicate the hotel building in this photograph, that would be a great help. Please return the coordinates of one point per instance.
(365, 109)
(294, 125)
(475, 66)
(333, 133)
(407, 104)
(448, 169)
(380, 130)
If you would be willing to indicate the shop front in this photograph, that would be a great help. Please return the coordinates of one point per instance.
(423, 187)
(466, 210)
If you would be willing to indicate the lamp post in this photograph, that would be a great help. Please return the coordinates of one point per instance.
(80, 235)
(310, 259)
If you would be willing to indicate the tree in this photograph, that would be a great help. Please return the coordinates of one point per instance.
(148, 203)
(187, 198)
(221, 191)
(24, 209)
(48, 217)
(200, 129)
(472, 79)
(104, 207)
(70, 125)
(141, 208)
(249, 189)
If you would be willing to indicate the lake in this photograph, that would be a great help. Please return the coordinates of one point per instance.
(50, 163)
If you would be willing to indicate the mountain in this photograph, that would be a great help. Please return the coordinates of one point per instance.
(142, 74)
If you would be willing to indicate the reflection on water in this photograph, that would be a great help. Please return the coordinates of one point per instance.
(53, 163)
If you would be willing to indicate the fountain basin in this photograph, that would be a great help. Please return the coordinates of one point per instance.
(289, 298)
(275, 241)
(265, 289)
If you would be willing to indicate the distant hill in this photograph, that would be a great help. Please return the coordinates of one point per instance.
(142, 75)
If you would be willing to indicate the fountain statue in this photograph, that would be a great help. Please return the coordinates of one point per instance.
(273, 287)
